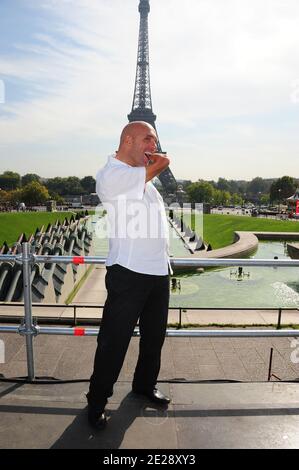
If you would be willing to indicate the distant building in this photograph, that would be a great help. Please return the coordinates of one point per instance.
(71, 198)
(51, 206)
(293, 204)
(91, 199)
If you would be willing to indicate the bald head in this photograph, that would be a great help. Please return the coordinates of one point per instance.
(137, 139)
(133, 129)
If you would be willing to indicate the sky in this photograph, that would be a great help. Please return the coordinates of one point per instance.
(224, 82)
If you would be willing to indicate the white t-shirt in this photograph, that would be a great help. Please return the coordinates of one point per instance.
(137, 223)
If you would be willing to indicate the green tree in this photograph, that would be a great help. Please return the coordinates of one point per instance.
(15, 196)
(217, 197)
(282, 188)
(29, 177)
(73, 186)
(200, 191)
(10, 180)
(88, 183)
(265, 199)
(4, 196)
(226, 197)
(56, 197)
(34, 193)
(236, 199)
(56, 184)
(184, 183)
(242, 188)
(256, 186)
(223, 184)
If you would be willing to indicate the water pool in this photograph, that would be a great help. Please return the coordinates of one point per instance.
(258, 287)
(222, 287)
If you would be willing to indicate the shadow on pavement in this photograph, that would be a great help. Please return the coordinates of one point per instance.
(79, 435)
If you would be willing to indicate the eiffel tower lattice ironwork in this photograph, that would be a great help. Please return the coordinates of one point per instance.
(142, 101)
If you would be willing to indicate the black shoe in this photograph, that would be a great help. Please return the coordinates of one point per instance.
(97, 419)
(154, 395)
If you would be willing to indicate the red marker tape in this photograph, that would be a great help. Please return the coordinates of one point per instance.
(79, 331)
(78, 260)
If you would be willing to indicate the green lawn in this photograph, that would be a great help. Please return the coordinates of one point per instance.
(218, 230)
(13, 224)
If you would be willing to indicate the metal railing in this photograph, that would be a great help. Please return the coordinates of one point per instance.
(76, 320)
(29, 330)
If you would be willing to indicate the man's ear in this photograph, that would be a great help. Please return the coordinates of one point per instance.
(129, 139)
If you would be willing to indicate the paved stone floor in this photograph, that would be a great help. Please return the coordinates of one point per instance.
(251, 414)
(244, 359)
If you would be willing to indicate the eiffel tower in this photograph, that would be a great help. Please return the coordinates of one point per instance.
(142, 101)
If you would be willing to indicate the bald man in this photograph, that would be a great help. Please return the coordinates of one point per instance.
(138, 267)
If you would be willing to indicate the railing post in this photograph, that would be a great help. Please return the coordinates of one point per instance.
(279, 320)
(270, 365)
(75, 315)
(29, 331)
(180, 319)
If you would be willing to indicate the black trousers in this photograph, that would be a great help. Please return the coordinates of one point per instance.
(131, 297)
